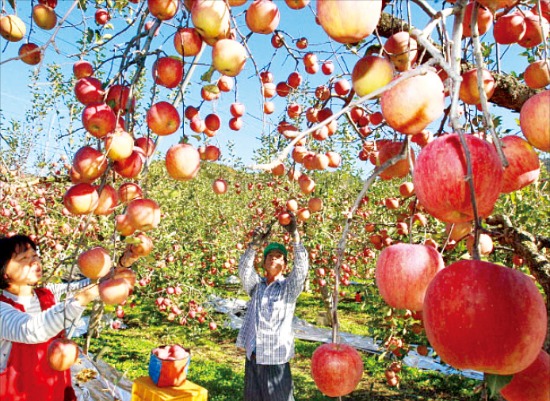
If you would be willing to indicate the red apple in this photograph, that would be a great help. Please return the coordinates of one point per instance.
(114, 291)
(523, 164)
(457, 231)
(143, 247)
(128, 192)
(397, 170)
(497, 4)
(168, 71)
(315, 205)
(98, 119)
(228, 57)
(219, 187)
(536, 31)
(163, 9)
(118, 99)
(123, 226)
(348, 21)
(30, 53)
(62, 354)
(146, 144)
(371, 73)
(163, 118)
(509, 28)
(143, 214)
(439, 178)
(412, 104)
(469, 89)
(131, 166)
(89, 163)
(108, 200)
(88, 90)
(187, 42)
(237, 109)
(532, 383)
(182, 162)
(297, 4)
(484, 20)
(403, 272)
(537, 74)
(44, 16)
(402, 50)
(102, 16)
(262, 16)
(94, 263)
(336, 369)
(485, 244)
(534, 119)
(82, 69)
(334, 159)
(486, 317)
(81, 199)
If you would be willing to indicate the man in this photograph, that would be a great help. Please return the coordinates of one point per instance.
(267, 334)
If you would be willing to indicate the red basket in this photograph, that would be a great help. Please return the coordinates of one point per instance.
(168, 372)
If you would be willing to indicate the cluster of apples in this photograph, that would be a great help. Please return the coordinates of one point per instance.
(173, 352)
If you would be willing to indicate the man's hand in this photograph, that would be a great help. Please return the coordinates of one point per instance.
(260, 235)
(292, 228)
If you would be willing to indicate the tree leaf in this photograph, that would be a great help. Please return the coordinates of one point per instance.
(495, 383)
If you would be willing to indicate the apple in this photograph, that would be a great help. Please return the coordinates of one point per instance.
(225, 83)
(315, 205)
(30, 53)
(98, 119)
(128, 192)
(306, 184)
(262, 16)
(530, 384)
(211, 19)
(485, 244)
(163, 118)
(62, 354)
(123, 226)
(144, 247)
(278, 170)
(44, 16)
(146, 144)
(168, 71)
(228, 57)
(82, 69)
(88, 90)
(131, 166)
(237, 109)
(469, 89)
(94, 263)
(412, 104)
(348, 21)
(187, 42)
(497, 4)
(89, 163)
(536, 31)
(219, 187)
(403, 272)
(371, 73)
(297, 4)
(402, 50)
(334, 159)
(457, 231)
(303, 214)
(108, 201)
(114, 291)
(119, 145)
(81, 199)
(163, 9)
(143, 214)
(12, 28)
(102, 16)
(523, 164)
(537, 74)
(182, 162)
(509, 28)
(49, 3)
(534, 119)
(336, 369)
(397, 170)
(284, 218)
(484, 20)
(406, 189)
(486, 317)
(439, 178)
(117, 98)
(212, 153)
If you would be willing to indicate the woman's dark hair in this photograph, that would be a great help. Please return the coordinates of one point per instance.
(8, 247)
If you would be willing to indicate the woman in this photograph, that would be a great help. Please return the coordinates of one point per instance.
(30, 319)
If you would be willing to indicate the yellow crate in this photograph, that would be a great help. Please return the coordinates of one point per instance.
(144, 389)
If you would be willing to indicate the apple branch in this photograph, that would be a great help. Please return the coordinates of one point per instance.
(343, 238)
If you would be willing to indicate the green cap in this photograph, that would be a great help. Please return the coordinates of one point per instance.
(275, 246)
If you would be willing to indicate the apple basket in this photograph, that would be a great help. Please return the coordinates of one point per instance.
(168, 365)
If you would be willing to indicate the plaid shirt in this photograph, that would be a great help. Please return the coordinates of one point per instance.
(267, 327)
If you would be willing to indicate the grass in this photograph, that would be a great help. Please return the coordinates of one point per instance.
(218, 365)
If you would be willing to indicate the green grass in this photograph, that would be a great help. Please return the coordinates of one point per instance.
(218, 365)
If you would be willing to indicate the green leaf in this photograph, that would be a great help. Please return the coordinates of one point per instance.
(207, 76)
(495, 383)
